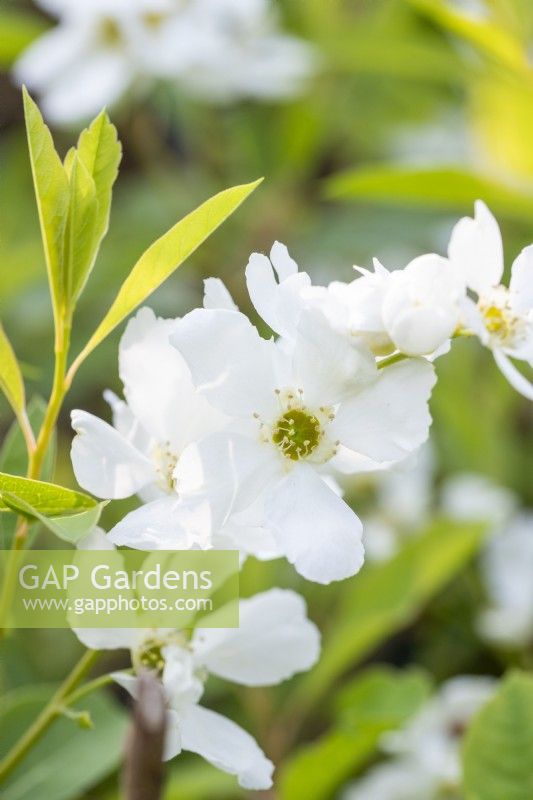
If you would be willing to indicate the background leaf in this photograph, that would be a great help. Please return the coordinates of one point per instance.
(443, 187)
(67, 760)
(498, 749)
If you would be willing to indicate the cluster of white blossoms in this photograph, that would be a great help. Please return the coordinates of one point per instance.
(426, 763)
(218, 50)
(231, 440)
(275, 640)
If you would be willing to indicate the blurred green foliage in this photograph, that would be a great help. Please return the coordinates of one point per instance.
(417, 111)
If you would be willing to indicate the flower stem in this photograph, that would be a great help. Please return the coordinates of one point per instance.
(386, 362)
(50, 712)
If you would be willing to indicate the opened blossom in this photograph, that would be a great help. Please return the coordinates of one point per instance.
(140, 452)
(274, 641)
(220, 50)
(501, 316)
(296, 410)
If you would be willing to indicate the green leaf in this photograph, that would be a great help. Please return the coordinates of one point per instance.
(14, 459)
(498, 747)
(378, 700)
(19, 29)
(47, 498)
(11, 382)
(52, 193)
(92, 169)
(447, 188)
(68, 528)
(165, 255)
(384, 598)
(68, 760)
(79, 247)
(488, 37)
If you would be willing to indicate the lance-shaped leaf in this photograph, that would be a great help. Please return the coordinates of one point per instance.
(52, 195)
(164, 256)
(79, 249)
(11, 382)
(46, 498)
(69, 528)
(92, 168)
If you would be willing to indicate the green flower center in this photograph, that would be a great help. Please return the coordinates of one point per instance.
(297, 433)
(151, 657)
(495, 319)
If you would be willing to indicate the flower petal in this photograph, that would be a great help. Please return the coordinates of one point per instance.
(158, 384)
(521, 284)
(390, 418)
(216, 295)
(225, 745)
(164, 524)
(172, 735)
(104, 462)
(227, 469)
(328, 365)
(314, 527)
(274, 640)
(476, 250)
(108, 638)
(230, 363)
(278, 302)
(284, 265)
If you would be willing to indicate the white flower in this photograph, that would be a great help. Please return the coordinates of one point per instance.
(502, 317)
(275, 640)
(507, 567)
(471, 497)
(221, 49)
(242, 53)
(140, 454)
(97, 52)
(433, 737)
(414, 310)
(421, 307)
(293, 410)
